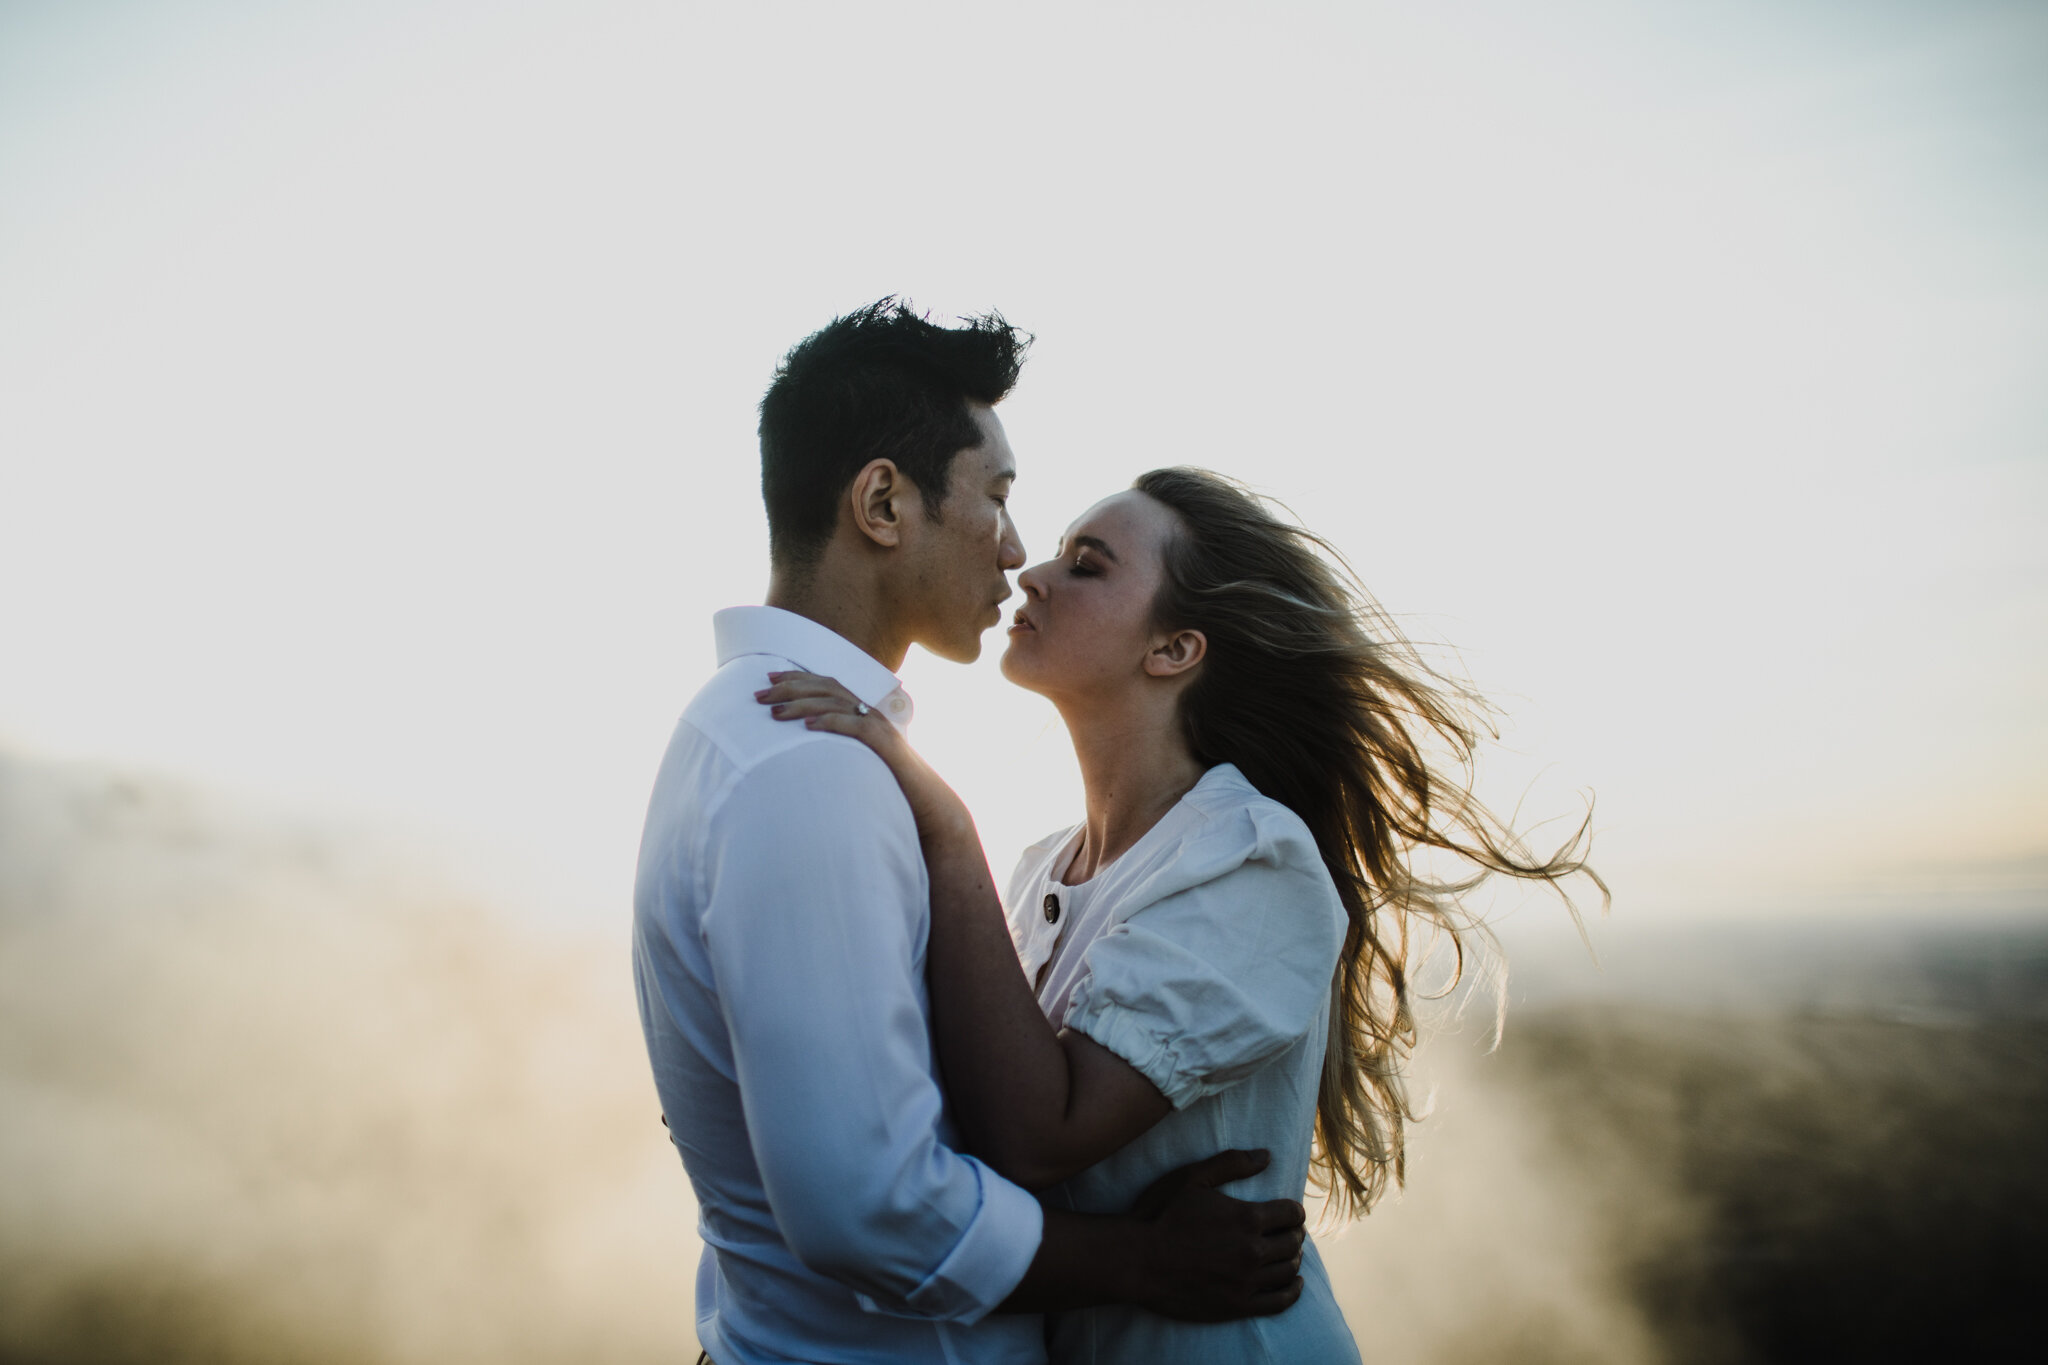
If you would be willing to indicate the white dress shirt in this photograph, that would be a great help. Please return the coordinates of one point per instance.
(1203, 956)
(780, 919)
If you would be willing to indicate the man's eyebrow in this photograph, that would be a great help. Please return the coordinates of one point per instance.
(1004, 476)
(1096, 544)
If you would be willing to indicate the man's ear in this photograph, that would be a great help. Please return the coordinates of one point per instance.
(1176, 654)
(876, 497)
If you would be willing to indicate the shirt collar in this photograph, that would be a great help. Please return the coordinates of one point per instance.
(814, 648)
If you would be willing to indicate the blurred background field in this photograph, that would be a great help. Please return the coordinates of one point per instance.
(278, 1092)
(1846, 1170)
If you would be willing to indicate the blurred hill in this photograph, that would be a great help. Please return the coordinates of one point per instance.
(1859, 1188)
(273, 1092)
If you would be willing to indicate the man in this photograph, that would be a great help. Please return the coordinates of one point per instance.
(781, 911)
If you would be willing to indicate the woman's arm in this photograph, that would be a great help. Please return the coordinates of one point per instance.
(1037, 1105)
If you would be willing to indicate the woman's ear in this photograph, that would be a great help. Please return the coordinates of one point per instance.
(876, 499)
(1176, 654)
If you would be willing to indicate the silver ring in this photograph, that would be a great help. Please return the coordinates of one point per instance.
(860, 708)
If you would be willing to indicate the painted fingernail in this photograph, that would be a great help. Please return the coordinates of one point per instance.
(777, 709)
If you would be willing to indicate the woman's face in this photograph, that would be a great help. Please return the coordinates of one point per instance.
(1086, 623)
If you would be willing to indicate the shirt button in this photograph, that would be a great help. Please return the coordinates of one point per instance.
(896, 705)
(1052, 908)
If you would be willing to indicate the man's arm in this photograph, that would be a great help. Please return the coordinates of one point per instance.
(813, 882)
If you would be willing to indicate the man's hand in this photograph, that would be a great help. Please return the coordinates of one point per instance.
(1210, 1257)
(1185, 1250)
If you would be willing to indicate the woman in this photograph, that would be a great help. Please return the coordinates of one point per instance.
(1219, 954)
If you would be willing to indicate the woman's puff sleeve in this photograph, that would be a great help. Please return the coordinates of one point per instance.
(1203, 986)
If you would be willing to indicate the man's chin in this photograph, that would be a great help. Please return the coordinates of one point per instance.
(956, 651)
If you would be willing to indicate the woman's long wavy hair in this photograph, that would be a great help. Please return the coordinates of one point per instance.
(1324, 706)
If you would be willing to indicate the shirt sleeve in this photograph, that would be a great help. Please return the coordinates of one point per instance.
(814, 923)
(1202, 987)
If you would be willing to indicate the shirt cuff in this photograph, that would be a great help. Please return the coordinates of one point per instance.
(988, 1261)
(1152, 1054)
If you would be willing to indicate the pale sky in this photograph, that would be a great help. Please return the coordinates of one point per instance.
(377, 386)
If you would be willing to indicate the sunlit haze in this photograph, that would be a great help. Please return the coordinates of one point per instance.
(377, 388)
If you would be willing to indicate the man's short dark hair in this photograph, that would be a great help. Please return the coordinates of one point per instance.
(883, 382)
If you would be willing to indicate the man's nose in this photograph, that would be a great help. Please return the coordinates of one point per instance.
(1010, 549)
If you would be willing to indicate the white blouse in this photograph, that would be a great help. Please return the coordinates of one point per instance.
(1204, 957)
(1079, 915)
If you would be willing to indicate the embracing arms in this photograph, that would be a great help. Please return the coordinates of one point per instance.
(1036, 1104)
(813, 957)
(1184, 1251)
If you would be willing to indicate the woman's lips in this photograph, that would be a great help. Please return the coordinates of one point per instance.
(1020, 624)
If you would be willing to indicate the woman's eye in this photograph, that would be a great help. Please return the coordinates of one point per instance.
(1080, 568)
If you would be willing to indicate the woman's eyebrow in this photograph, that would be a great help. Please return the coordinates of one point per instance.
(1096, 544)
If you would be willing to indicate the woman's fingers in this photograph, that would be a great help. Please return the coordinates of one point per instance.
(790, 685)
(798, 679)
(840, 723)
(797, 708)
(804, 682)
(821, 704)
(808, 697)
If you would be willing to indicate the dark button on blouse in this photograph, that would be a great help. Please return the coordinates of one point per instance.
(1052, 908)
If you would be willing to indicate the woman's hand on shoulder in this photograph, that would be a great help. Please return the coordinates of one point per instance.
(823, 703)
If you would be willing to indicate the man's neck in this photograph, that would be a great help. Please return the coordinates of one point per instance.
(845, 604)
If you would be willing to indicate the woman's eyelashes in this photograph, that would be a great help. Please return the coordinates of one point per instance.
(1078, 565)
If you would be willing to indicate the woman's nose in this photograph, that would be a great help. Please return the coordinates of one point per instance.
(1032, 581)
